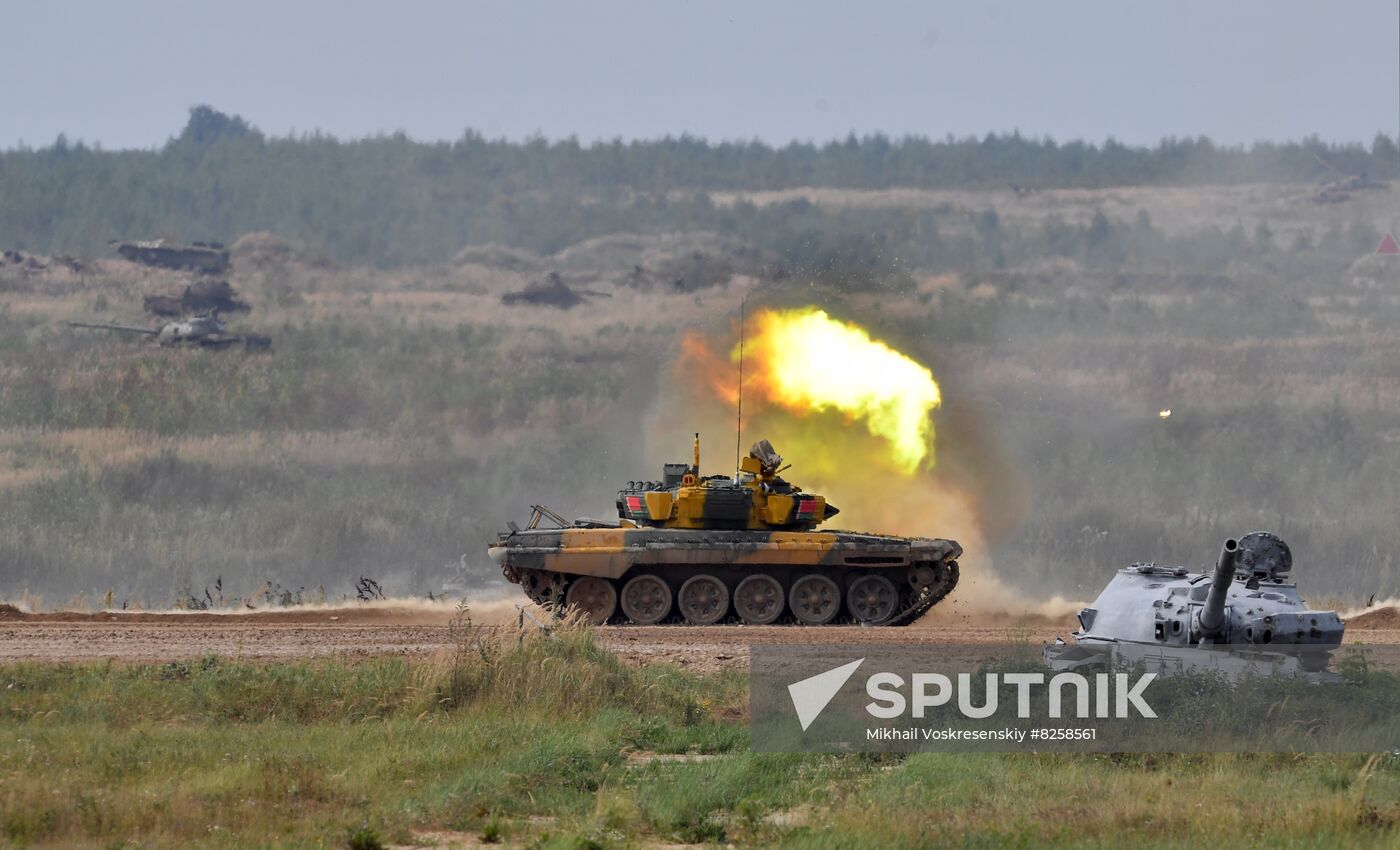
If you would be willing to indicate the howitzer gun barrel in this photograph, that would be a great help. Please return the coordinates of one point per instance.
(1212, 618)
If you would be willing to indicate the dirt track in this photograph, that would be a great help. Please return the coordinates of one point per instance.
(424, 630)
(700, 648)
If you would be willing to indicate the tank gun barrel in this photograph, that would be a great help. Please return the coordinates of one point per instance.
(124, 328)
(1213, 614)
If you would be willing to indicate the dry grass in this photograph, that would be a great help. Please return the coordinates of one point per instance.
(548, 741)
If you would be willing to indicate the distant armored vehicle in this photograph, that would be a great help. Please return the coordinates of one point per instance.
(1243, 618)
(204, 296)
(714, 548)
(203, 257)
(1340, 188)
(203, 331)
(552, 292)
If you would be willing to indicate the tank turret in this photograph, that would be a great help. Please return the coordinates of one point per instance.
(1243, 615)
(754, 498)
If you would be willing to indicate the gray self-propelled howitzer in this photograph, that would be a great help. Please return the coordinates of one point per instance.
(1243, 618)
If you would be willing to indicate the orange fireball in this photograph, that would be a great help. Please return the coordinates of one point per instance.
(804, 360)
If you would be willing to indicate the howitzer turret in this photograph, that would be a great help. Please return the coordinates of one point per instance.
(1244, 616)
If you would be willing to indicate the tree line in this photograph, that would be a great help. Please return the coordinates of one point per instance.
(390, 200)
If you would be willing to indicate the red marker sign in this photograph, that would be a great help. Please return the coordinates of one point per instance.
(1388, 246)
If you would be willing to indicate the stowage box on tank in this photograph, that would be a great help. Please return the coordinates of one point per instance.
(710, 549)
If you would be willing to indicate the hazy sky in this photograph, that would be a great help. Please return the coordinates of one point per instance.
(125, 73)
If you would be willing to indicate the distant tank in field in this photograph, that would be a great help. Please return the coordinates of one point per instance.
(202, 257)
(202, 331)
(1244, 618)
(711, 549)
(201, 297)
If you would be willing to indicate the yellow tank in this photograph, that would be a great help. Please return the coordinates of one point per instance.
(710, 549)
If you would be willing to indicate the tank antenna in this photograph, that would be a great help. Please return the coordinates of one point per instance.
(739, 413)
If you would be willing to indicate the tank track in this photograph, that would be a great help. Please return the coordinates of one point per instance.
(547, 589)
(930, 597)
(542, 587)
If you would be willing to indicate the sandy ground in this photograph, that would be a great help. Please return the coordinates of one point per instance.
(419, 630)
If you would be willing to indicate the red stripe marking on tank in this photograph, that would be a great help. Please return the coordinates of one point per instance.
(634, 503)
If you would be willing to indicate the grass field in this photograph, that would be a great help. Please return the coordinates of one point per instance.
(552, 742)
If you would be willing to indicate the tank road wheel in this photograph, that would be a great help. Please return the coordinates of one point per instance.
(872, 599)
(759, 600)
(815, 600)
(595, 597)
(703, 600)
(646, 600)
